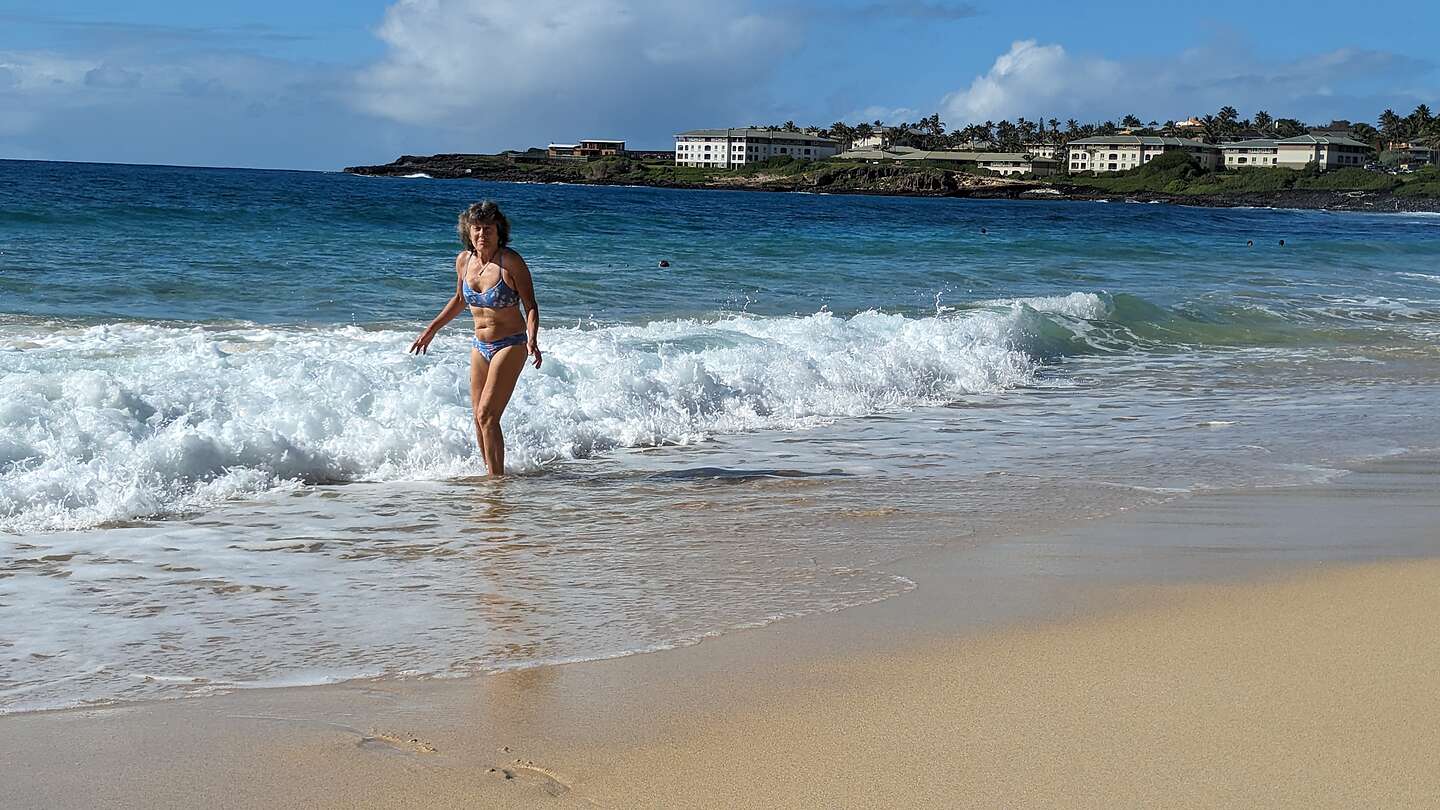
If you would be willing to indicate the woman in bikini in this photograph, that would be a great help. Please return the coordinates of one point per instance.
(493, 282)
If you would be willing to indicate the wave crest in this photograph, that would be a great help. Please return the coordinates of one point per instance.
(129, 420)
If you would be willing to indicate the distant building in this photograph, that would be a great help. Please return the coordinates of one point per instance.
(1329, 152)
(587, 149)
(1042, 150)
(1011, 163)
(902, 153)
(1006, 163)
(1421, 154)
(727, 148)
(1254, 152)
(1192, 123)
(1116, 153)
(1414, 153)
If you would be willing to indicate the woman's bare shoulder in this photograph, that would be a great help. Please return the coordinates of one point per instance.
(513, 256)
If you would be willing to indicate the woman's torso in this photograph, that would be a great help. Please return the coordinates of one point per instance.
(493, 300)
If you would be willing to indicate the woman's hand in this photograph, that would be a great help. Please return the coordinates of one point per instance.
(422, 343)
(532, 348)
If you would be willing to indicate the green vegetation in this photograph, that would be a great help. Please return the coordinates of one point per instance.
(1179, 174)
(782, 165)
(640, 172)
(1424, 183)
(1348, 180)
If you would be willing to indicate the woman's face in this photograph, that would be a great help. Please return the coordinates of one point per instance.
(485, 236)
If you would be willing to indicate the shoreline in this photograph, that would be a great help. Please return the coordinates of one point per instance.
(907, 182)
(1207, 651)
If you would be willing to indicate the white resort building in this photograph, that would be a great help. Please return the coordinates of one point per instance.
(1328, 151)
(726, 148)
(1256, 152)
(1116, 153)
(1042, 150)
(1010, 163)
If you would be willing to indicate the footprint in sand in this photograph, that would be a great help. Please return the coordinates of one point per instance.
(395, 742)
(547, 780)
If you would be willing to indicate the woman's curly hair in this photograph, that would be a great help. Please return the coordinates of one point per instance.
(481, 213)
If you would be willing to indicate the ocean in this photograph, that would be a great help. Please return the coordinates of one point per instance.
(220, 469)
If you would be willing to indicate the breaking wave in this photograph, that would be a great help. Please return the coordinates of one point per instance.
(119, 421)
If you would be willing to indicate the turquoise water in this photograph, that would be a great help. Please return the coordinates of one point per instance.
(219, 467)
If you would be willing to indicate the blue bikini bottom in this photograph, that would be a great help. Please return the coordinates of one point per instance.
(490, 347)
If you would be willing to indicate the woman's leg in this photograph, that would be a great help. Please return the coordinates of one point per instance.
(499, 384)
(479, 372)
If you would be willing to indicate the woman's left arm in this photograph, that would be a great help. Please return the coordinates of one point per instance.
(520, 272)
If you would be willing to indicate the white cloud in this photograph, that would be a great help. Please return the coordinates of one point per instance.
(1032, 80)
(204, 107)
(525, 71)
(44, 71)
(112, 77)
(885, 115)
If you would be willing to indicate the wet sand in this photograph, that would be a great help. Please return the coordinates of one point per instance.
(1270, 647)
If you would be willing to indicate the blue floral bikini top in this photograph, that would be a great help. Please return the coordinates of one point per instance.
(500, 296)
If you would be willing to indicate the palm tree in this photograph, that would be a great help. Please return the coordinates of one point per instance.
(1431, 135)
(1288, 128)
(1263, 121)
(1365, 134)
(1211, 125)
(1392, 126)
(1131, 122)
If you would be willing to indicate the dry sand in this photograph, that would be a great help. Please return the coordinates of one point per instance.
(1312, 684)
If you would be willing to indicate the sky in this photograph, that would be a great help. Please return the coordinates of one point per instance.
(323, 84)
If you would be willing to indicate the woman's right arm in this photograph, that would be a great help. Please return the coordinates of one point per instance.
(453, 307)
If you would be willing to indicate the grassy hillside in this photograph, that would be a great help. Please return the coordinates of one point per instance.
(1179, 174)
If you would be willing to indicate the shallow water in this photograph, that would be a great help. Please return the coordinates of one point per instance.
(219, 468)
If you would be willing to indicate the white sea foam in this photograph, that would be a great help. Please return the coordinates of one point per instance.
(418, 176)
(1084, 305)
(124, 420)
(1423, 276)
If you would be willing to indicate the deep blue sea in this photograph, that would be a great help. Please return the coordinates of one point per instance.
(220, 468)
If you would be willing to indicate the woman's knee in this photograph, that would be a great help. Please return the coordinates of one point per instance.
(487, 417)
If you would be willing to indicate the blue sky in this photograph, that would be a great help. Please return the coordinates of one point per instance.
(321, 84)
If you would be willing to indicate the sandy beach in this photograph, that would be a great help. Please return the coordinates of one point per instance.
(1160, 657)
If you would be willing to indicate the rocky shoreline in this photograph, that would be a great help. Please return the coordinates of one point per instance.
(874, 180)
